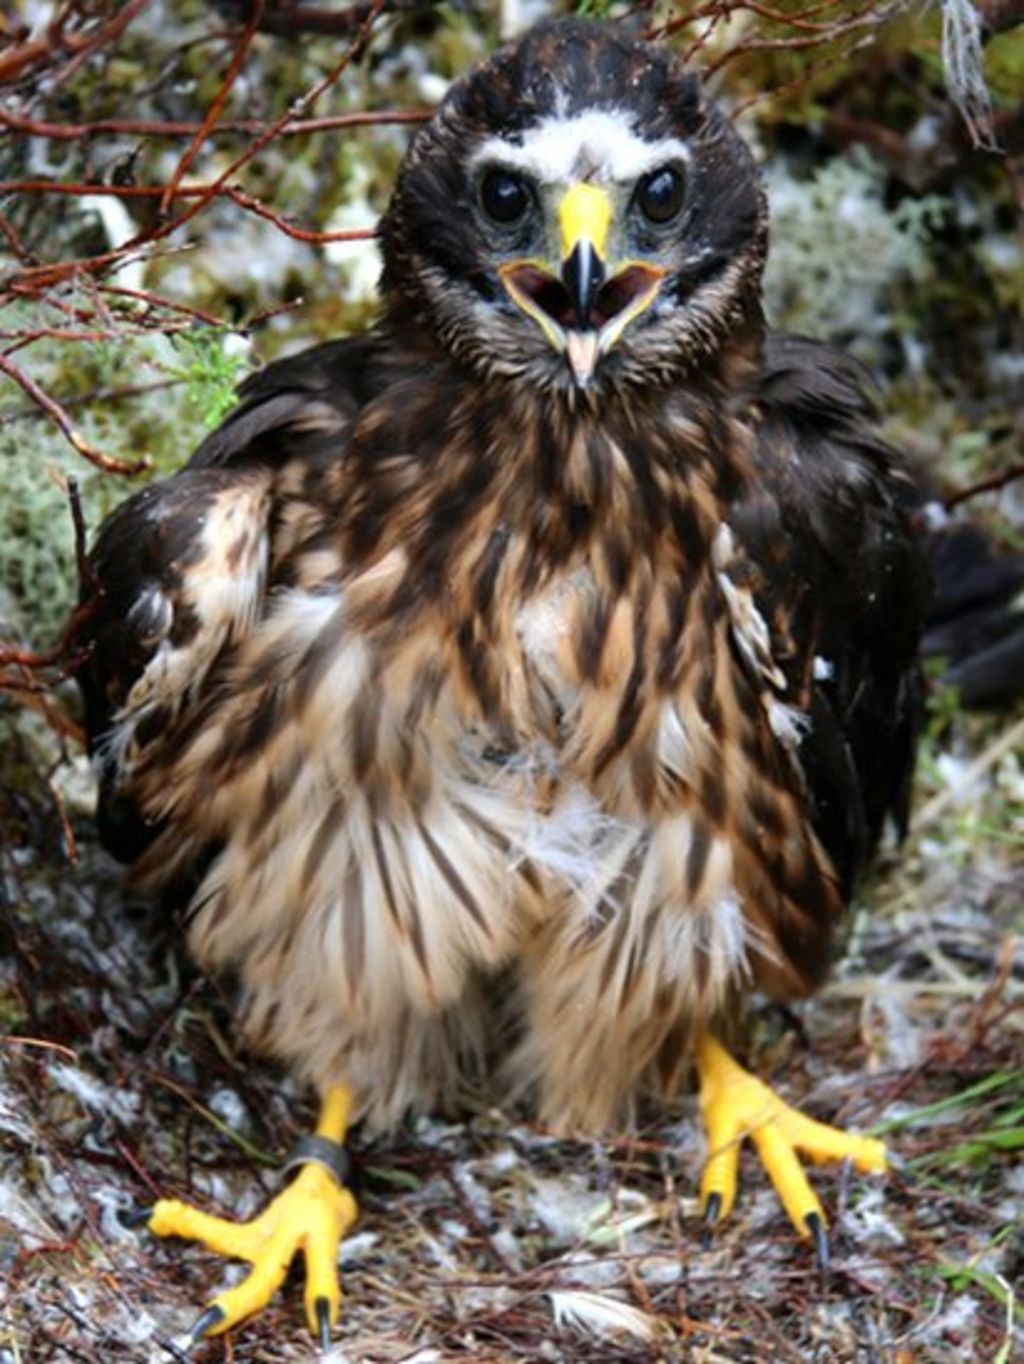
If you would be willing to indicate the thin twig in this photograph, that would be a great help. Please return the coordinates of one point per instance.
(216, 105)
(75, 438)
(18, 58)
(238, 196)
(984, 485)
(953, 796)
(140, 127)
(33, 280)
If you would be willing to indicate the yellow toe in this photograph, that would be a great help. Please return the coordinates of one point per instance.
(322, 1298)
(234, 1240)
(310, 1216)
(735, 1105)
(269, 1269)
(823, 1143)
(787, 1176)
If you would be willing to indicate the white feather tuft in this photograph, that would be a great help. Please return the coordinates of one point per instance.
(789, 725)
(573, 840)
(749, 628)
(592, 1314)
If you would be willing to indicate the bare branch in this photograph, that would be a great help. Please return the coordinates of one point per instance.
(991, 484)
(54, 410)
(18, 59)
(217, 104)
(141, 127)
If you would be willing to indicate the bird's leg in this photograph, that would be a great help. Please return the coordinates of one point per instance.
(312, 1215)
(734, 1105)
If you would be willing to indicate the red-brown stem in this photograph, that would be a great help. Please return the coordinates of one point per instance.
(54, 410)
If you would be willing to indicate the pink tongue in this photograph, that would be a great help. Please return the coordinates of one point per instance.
(581, 350)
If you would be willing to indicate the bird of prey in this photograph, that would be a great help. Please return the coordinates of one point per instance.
(519, 685)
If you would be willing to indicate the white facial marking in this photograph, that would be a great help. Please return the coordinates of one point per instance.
(599, 145)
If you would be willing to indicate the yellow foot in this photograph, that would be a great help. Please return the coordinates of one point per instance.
(735, 1104)
(311, 1215)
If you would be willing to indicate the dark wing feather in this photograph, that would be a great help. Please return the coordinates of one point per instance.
(299, 396)
(182, 567)
(977, 621)
(843, 589)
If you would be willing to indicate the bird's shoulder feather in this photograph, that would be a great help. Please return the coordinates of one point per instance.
(180, 570)
(837, 575)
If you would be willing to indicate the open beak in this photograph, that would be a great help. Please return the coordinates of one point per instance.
(583, 274)
(581, 309)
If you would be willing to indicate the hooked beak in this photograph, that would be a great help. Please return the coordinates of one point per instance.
(583, 274)
(581, 310)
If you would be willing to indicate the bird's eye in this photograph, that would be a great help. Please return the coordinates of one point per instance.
(660, 194)
(504, 196)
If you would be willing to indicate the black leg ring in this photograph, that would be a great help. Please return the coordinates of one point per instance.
(330, 1155)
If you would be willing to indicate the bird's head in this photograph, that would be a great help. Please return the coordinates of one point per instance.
(578, 214)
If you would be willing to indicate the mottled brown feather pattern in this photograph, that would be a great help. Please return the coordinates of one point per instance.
(520, 655)
(478, 708)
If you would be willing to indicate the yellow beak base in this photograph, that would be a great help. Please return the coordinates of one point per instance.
(585, 214)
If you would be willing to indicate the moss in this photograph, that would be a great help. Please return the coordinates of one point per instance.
(37, 563)
(38, 578)
(838, 255)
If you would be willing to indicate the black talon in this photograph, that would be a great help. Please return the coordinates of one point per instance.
(175, 1351)
(712, 1208)
(816, 1227)
(204, 1323)
(133, 1218)
(322, 1308)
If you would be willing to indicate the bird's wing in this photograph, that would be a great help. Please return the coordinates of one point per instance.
(286, 406)
(180, 571)
(976, 624)
(835, 572)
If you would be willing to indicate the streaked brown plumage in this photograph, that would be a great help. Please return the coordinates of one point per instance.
(498, 710)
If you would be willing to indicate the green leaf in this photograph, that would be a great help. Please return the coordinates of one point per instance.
(960, 1276)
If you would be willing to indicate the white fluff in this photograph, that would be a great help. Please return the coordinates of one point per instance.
(573, 840)
(592, 1314)
(789, 724)
(93, 1094)
(567, 1207)
(721, 936)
